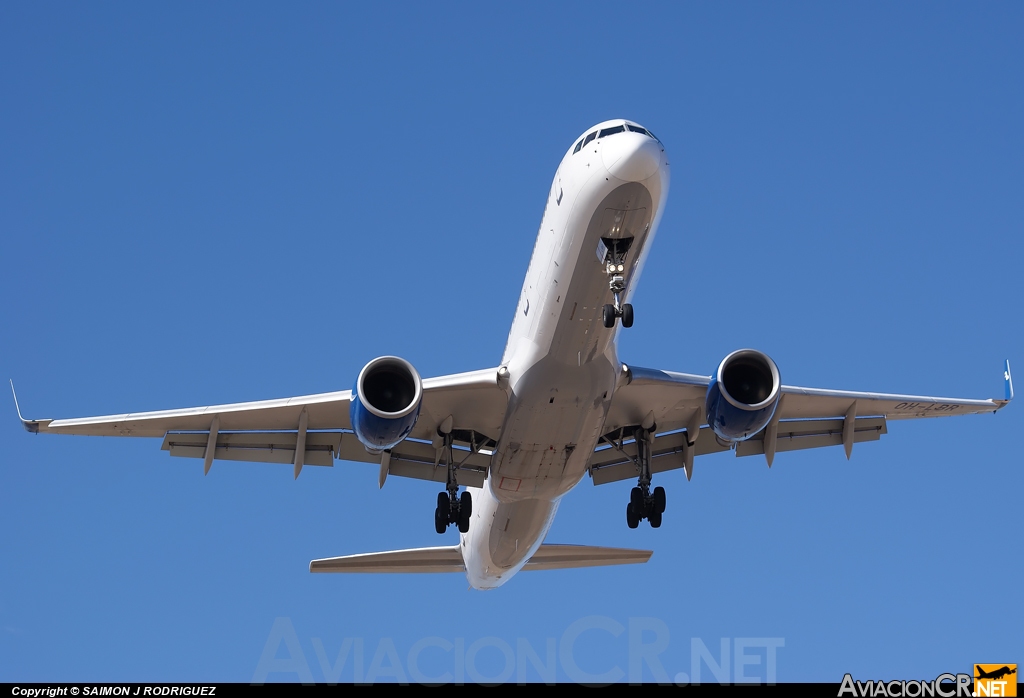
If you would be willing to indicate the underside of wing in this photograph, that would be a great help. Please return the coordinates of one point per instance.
(324, 410)
(671, 400)
(817, 403)
(673, 405)
(317, 429)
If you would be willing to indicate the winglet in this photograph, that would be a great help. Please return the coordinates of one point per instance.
(30, 426)
(1009, 382)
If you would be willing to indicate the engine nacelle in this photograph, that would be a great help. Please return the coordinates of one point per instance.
(743, 395)
(385, 403)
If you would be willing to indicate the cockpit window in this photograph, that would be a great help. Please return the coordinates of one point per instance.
(611, 131)
(637, 129)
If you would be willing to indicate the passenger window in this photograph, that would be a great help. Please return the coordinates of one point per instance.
(612, 131)
(589, 138)
(578, 146)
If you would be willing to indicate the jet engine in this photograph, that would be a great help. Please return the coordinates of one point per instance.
(385, 403)
(743, 395)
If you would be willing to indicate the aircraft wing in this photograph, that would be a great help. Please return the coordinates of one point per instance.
(270, 430)
(805, 418)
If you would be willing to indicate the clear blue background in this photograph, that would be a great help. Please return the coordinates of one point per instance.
(214, 203)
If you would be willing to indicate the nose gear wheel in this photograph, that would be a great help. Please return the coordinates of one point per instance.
(614, 267)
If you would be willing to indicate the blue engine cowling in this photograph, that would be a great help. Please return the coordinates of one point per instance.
(385, 403)
(743, 395)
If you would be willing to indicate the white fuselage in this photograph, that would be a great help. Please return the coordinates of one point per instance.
(562, 361)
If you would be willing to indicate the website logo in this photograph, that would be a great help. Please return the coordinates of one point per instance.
(995, 680)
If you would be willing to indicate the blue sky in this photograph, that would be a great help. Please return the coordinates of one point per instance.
(214, 203)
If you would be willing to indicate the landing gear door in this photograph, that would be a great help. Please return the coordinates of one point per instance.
(622, 227)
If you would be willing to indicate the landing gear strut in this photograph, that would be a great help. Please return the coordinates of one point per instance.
(643, 503)
(452, 508)
(614, 266)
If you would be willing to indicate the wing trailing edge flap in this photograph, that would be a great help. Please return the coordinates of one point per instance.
(449, 559)
(410, 458)
(668, 453)
(257, 447)
(419, 460)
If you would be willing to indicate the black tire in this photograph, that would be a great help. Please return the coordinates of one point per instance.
(636, 499)
(440, 522)
(655, 519)
(444, 506)
(632, 520)
(609, 316)
(659, 500)
(627, 315)
(465, 512)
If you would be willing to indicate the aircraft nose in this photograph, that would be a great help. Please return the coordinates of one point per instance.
(631, 157)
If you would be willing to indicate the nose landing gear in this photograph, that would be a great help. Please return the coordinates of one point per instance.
(613, 311)
(615, 258)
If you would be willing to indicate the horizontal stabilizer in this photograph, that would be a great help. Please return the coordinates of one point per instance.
(449, 559)
(442, 559)
(560, 557)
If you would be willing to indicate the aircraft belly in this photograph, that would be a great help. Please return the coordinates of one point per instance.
(552, 426)
(563, 376)
(498, 550)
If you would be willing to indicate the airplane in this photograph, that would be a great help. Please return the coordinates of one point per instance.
(509, 442)
(995, 674)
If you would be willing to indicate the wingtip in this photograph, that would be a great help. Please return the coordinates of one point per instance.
(1008, 382)
(24, 422)
(31, 425)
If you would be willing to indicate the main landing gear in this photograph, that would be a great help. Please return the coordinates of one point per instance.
(452, 508)
(643, 503)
